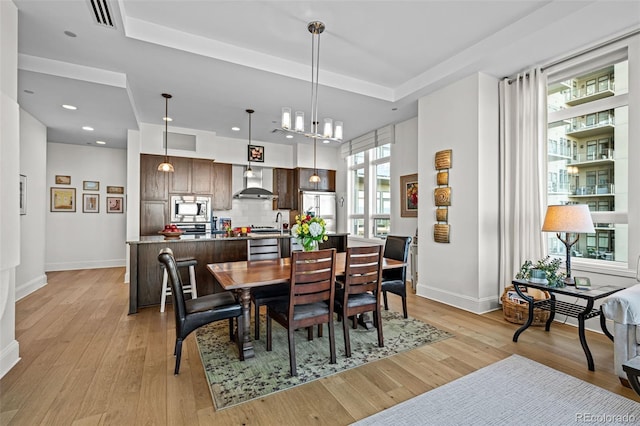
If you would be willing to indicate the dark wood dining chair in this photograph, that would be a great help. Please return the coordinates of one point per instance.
(194, 313)
(361, 290)
(310, 302)
(395, 280)
(264, 249)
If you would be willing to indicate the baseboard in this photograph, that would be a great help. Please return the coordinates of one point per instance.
(9, 357)
(467, 303)
(23, 290)
(95, 264)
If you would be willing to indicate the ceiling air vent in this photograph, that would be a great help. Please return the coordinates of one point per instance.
(102, 13)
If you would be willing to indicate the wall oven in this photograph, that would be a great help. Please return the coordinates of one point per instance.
(191, 209)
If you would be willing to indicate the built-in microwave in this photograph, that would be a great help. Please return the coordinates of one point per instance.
(190, 209)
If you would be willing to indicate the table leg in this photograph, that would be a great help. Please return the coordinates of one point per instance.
(603, 326)
(552, 312)
(529, 318)
(583, 339)
(247, 343)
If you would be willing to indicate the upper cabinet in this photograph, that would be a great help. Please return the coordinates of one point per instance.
(153, 183)
(327, 180)
(221, 181)
(284, 186)
(191, 176)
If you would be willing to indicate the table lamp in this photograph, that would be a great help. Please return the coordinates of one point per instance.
(574, 218)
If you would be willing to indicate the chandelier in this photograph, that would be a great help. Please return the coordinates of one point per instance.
(166, 166)
(330, 131)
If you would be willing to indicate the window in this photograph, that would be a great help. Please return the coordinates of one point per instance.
(370, 189)
(596, 130)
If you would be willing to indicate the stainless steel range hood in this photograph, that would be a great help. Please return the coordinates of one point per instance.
(253, 188)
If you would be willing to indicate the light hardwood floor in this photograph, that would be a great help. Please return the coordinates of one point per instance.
(86, 362)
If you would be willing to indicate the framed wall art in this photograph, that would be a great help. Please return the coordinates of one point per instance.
(115, 189)
(409, 195)
(90, 203)
(63, 199)
(23, 194)
(443, 159)
(90, 185)
(115, 204)
(63, 180)
(442, 196)
(256, 153)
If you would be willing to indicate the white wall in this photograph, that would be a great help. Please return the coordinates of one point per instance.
(404, 161)
(9, 178)
(462, 117)
(86, 240)
(30, 274)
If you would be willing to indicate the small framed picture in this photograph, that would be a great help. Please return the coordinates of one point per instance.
(115, 204)
(63, 199)
(90, 203)
(409, 195)
(256, 153)
(90, 185)
(582, 283)
(115, 189)
(63, 180)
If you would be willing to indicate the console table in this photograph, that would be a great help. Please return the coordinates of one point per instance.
(581, 312)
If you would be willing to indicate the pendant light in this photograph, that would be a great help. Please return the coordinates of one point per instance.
(330, 131)
(166, 166)
(249, 173)
(314, 178)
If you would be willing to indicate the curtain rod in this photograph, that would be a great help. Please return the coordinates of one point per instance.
(592, 48)
(582, 52)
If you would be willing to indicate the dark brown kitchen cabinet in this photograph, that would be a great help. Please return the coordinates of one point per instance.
(202, 176)
(153, 216)
(327, 179)
(180, 179)
(153, 183)
(222, 175)
(284, 186)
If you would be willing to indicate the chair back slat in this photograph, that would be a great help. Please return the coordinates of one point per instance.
(313, 277)
(363, 271)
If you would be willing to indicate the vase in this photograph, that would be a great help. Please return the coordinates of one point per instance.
(312, 246)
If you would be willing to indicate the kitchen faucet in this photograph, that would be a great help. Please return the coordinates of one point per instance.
(279, 221)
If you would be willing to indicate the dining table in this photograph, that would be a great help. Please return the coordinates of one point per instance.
(242, 276)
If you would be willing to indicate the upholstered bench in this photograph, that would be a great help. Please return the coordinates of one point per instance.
(623, 308)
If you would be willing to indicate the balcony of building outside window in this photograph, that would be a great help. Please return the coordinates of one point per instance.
(594, 190)
(592, 158)
(581, 127)
(559, 149)
(590, 93)
(559, 188)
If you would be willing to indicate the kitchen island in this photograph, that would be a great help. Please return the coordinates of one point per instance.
(145, 274)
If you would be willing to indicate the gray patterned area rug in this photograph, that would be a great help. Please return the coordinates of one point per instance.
(514, 391)
(233, 381)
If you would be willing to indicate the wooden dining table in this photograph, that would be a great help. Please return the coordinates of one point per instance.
(242, 276)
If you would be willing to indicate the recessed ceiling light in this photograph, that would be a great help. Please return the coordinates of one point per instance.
(87, 128)
(71, 107)
(28, 91)
(167, 119)
(289, 136)
(101, 142)
(70, 34)
(235, 129)
(326, 141)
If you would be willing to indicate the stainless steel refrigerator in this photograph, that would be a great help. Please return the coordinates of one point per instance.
(322, 204)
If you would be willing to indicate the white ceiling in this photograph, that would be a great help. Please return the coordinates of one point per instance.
(218, 58)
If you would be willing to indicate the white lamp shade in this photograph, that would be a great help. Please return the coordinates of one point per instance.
(328, 128)
(568, 218)
(286, 118)
(338, 130)
(299, 123)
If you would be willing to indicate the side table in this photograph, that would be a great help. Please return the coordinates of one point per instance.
(573, 310)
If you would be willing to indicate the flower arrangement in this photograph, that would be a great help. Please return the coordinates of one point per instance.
(550, 268)
(309, 231)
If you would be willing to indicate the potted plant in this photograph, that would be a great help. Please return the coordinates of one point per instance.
(543, 268)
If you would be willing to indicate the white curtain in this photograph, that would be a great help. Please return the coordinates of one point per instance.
(523, 171)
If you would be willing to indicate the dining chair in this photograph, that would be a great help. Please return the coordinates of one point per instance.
(310, 302)
(395, 280)
(361, 290)
(264, 249)
(194, 313)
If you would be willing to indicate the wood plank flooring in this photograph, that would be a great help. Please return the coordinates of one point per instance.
(84, 361)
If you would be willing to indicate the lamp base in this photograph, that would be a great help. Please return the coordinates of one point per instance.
(569, 281)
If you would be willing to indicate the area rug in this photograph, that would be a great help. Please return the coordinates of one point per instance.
(233, 381)
(514, 391)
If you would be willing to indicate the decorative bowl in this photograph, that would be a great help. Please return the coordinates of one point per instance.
(171, 235)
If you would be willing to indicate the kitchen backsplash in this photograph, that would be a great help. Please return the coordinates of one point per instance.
(248, 212)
